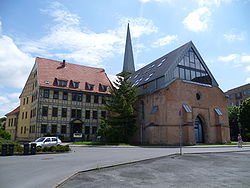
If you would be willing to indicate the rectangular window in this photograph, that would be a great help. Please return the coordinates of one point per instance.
(88, 98)
(45, 111)
(103, 88)
(103, 100)
(87, 114)
(54, 112)
(63, 129)
(21, 130)
(22, 115)
(79, 114)
(95, 115)
(89, 86)
(79, 97)
(187, 74)
(87, 130)
(73, 113)
(76, 97)
(76, 84)
(26, 115)
(56, 95)
(46, 93)
(27, 101)
(182, 74)
(43, 128)
(65, 96)
(53, 129)
(23, 101)
(64, 112)
(186, 61)
(96, 99)
(191, 55)
(103, 114)
(73, 96)
(192, 75)
(94, 129)
(31, 114)
(62, 83)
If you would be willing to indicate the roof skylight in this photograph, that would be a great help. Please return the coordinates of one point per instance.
(149, 77)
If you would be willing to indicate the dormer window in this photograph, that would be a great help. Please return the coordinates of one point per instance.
(103, 87)
(75, 84)
(89, 86)
(62, 83)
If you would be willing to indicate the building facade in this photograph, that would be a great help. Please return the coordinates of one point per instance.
(237, 95)
(60, 98)
(12, 122)
(178, 95)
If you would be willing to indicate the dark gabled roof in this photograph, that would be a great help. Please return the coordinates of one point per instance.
(158, 67)
(164, 65)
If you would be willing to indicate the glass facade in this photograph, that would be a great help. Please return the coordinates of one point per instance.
(190, 68)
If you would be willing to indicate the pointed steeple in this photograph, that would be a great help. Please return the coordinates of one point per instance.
(128, 63)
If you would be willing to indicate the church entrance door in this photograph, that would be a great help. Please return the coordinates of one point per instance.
(198, 128)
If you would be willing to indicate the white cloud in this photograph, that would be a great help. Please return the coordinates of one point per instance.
(197, 20)
(165, 40)
(245, 58)
(14, 63)
(7, 103)
(248, 80)
(83, 45)
(207, 3)
(231, 57)
(160, 1)
(248, 69)
(237, 58)
(234, 37)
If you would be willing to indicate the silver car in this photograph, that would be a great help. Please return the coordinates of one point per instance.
(47, 141)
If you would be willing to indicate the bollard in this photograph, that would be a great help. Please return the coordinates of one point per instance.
(33, 149)
(4, 149)
(11, 149)
(26, 149)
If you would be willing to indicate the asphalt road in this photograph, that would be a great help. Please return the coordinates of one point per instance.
(190, 170)
(48, 170)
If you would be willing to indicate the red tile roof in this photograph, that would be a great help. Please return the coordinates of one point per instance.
(16, 110)
(50, 70)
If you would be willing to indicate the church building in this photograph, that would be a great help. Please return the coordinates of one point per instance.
(178, 95)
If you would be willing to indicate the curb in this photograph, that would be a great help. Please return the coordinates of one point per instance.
(65, 180)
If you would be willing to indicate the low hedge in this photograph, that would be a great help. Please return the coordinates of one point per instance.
(58, 148)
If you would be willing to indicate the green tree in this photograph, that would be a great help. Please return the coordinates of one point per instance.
(119, 124)
(233, 115)
(1, 121)
(244, 116)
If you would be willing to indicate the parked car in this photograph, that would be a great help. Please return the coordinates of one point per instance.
(47, 141)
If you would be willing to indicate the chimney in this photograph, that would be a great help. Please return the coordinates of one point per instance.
(63, 64)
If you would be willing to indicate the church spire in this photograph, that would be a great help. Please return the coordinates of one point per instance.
(128, 63)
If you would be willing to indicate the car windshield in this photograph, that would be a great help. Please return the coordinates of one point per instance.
(40, 139)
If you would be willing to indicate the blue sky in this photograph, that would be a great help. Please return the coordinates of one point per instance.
(92, 33)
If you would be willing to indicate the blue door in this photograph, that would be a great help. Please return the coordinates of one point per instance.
(198, 130)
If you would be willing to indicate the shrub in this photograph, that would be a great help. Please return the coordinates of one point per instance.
(5, 134)
(45, 149)
(18, 148)
(247, 137)
(38, 149)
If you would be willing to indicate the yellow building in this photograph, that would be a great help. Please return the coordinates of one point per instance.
(11, 122)
(60, 98)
